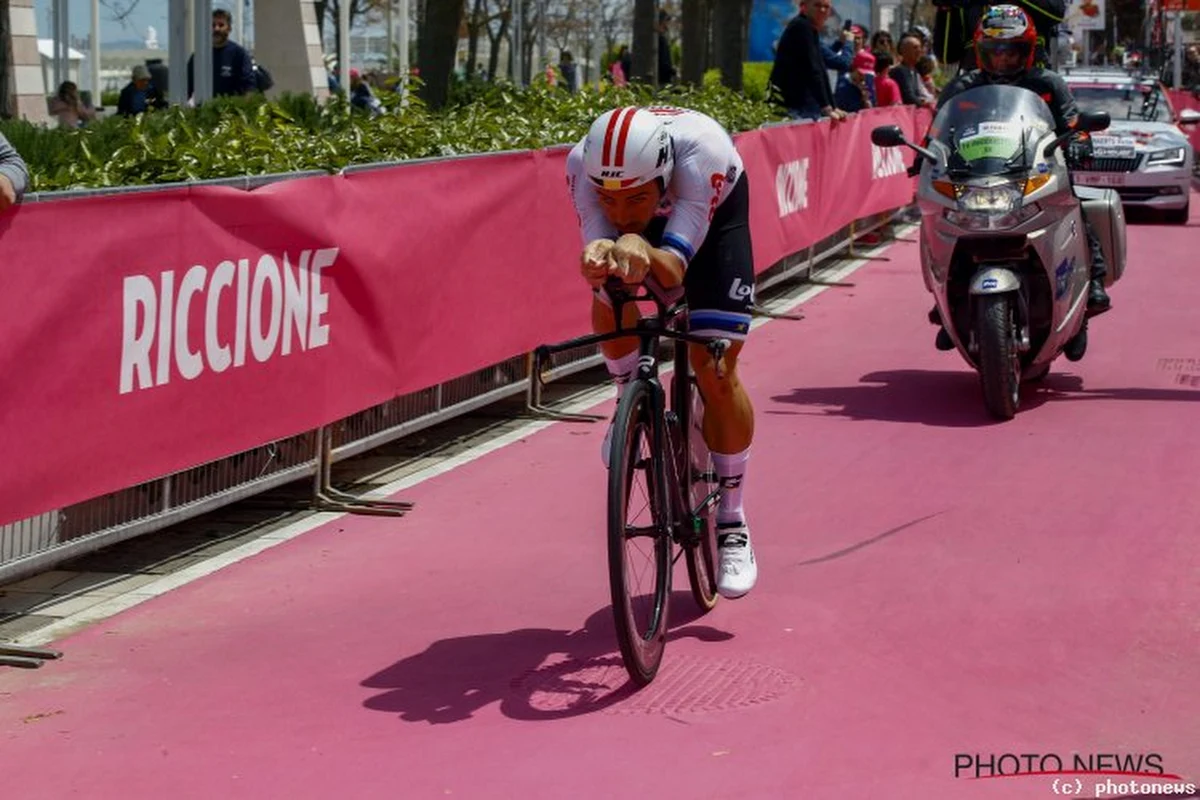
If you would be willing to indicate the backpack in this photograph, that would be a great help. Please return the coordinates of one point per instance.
(262, 77)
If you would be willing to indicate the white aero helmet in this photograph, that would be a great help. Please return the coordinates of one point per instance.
(627, 147)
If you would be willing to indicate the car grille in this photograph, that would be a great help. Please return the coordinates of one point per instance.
(1110, 164)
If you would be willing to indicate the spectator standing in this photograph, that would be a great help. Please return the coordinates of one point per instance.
(798, 80)
(856, 88)
(566, 65)
(887, 92)
(232, 69)
(69, 108)
(925, 67)
(666, 69)
(882, 40)
(362, 96)
(905, 73)
(140, 94)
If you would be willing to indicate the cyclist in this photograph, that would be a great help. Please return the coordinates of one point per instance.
(1005, 42)
(662, 199)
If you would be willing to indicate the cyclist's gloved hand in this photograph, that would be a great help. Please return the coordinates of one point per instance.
(631, 258)
(595, 263)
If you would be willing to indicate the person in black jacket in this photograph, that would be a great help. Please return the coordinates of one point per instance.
(140, 94)
(666, 69)
(798, 80)
(956, 21)
(233, 71)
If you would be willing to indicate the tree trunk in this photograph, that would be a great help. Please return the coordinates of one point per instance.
(710, 35)
(645, 43)
(694, 41)
(494, 44)
(729, 24)
(438, 39)
(528, 23)
(8, 81)
(474, 25)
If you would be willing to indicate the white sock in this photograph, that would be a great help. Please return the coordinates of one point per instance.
(622, 370)
(731, 475)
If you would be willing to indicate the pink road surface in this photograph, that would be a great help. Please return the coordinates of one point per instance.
(932, 583)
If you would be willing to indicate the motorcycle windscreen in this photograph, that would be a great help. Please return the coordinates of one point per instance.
(992, 130)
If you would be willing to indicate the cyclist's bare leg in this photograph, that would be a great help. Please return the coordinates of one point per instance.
(728, 413)
(728, 430)
(604, 321)
(620, 355)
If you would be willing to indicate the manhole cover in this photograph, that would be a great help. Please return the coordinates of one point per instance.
(685, 684)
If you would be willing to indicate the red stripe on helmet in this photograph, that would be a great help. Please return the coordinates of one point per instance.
(620, 155)
(608, 135)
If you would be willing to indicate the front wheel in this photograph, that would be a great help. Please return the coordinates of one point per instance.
(999, 361)
(639, 534)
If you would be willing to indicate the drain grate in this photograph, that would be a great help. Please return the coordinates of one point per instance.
(686, 684)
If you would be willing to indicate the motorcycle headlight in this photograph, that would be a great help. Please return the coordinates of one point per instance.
(990, 221)
(999, 199)
(1172, 155)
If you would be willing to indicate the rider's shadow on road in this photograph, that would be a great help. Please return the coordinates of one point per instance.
(534, 673)
(949, 399)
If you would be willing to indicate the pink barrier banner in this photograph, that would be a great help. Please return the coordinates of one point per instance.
(1183, 100)
(148, 333)
(862, 179)
(784, 165)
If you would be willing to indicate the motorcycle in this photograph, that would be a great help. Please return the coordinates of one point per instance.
(1003, 245)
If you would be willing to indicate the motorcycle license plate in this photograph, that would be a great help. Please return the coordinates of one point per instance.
(1100, 179)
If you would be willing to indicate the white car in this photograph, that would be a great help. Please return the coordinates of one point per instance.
(1144, 155)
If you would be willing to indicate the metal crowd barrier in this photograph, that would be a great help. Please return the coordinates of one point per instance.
(47, 540)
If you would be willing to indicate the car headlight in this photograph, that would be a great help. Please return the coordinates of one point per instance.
(999, 199)
(1172, 155)
(990, 221)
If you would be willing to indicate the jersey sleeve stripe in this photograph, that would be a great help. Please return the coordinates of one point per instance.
(677, 243)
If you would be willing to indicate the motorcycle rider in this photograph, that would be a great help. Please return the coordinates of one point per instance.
(1005, 43)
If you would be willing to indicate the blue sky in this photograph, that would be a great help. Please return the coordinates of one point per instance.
(147, 13)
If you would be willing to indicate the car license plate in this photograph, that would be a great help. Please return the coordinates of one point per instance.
(1099, 179)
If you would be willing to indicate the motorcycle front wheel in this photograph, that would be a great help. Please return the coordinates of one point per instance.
(999, 360)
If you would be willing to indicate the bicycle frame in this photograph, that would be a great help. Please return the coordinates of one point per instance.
(677, 416)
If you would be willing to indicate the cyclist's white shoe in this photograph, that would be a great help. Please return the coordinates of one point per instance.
(737, 572)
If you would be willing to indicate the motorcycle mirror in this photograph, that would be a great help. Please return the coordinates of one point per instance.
(887, 136)
(1092, 121)
(1086, 122)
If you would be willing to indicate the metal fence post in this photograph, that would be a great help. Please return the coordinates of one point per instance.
(327, 498)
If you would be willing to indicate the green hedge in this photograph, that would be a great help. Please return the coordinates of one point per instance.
(229, 137)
